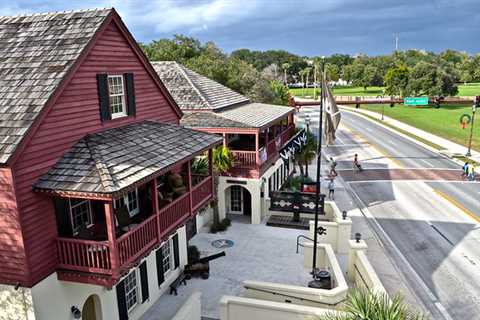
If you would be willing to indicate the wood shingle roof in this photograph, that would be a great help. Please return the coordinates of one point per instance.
(36, 53)
(193, 91)
(111, 160)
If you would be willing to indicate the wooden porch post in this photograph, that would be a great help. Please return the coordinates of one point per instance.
(257, 147)
(110, 223)
(189, 173)
(225, 142)
(154, 193)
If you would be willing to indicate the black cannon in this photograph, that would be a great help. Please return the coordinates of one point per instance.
(201, 267)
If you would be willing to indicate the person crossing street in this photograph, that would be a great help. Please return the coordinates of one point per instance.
(331, 189)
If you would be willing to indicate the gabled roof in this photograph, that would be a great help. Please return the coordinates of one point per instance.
(111, 160)
(36, 53)
(193, 91)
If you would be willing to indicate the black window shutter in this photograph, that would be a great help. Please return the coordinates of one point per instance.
(159, 256)
(144, 281)
(102, 81)
(176, 257)
(130, 94)
(121, 302)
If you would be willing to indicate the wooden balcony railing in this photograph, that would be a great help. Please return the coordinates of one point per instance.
(95, 256)
(287, 134)
(133, 244)
(173, 213)
(244, 159)
(84, 255)
(201, 193)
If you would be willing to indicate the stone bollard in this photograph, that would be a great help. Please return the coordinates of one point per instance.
(354, 246)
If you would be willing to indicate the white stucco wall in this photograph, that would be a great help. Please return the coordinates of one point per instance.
(338, 229)
(240, 308)
(254, 186)
(15, 304)
(204, 218)
(53, 299)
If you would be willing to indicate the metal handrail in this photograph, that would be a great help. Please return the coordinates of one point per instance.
(304, 237)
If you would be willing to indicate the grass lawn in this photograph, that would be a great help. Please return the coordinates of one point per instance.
(470, 89)
(444, 122)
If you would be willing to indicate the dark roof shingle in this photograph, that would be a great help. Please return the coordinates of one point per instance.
(193, 91)
(36, 53)
(108, 161)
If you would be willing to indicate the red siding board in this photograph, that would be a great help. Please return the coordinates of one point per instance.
(12, 252)
(75, 114)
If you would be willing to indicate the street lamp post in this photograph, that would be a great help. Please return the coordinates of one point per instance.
(314, 283)
(476, 102)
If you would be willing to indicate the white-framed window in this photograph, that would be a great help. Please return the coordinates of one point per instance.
(80, 214)
(131, 290)
(130, 200)
(167, 260)
(116, 92)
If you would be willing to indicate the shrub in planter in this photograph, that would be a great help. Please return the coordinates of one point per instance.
(221, 226)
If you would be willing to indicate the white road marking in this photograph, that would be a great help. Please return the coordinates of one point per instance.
(427, 163)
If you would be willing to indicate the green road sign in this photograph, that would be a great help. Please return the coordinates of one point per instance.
(415, 101)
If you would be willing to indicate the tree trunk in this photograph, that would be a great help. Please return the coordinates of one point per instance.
(216, 213)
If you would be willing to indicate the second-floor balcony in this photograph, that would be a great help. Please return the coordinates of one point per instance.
(120, 192)
(247, 156)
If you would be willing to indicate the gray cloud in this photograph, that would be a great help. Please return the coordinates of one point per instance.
(310, 27)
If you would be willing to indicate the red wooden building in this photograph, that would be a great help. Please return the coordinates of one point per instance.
(254, 133)
(95, 179)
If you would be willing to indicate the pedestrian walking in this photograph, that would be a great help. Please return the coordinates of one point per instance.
(356, 164)
(333, 165)
(471, 172)
(331, 189)
(465, 170)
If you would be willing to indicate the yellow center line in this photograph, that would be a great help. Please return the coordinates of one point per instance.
(457, 204)
(379, 149)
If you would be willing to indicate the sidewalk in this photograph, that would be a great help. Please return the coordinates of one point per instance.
(450, 148)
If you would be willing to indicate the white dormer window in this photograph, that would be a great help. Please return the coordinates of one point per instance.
(117, 96)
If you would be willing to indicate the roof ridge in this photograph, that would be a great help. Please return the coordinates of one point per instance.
(56, 12)
(182, 70)
(103, 172)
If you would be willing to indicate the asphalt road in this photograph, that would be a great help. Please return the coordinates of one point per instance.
(431, 228)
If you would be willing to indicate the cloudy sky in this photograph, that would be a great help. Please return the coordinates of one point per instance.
(309, 27)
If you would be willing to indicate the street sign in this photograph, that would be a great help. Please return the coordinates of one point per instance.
(415, 101)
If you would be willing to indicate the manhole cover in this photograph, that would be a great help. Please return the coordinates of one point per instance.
(222, 243)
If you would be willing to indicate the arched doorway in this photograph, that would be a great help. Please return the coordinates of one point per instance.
(91, 309)
(238, 200)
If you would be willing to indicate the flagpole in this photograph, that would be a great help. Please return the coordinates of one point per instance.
(318, 184)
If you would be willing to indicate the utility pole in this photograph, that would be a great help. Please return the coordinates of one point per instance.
(396, 42)
(318, 184)
(476, 102)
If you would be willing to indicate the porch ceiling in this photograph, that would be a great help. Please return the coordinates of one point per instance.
(112, 160)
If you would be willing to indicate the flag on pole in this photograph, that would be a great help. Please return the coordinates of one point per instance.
(332, 113)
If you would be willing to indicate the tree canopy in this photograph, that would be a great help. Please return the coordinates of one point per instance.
(250, 72)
